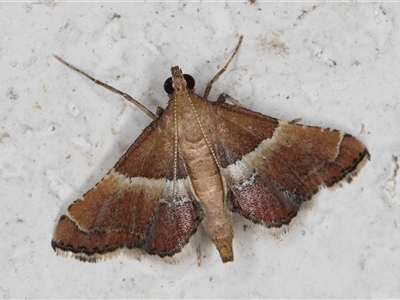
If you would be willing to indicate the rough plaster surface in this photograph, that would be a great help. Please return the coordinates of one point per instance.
(331, 64)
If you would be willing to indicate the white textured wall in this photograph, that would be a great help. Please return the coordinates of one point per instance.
(332, 64)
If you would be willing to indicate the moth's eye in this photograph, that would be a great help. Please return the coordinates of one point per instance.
(170, 89)
(189, 81)
(168, 86)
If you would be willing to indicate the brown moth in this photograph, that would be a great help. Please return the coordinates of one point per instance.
(196, 164)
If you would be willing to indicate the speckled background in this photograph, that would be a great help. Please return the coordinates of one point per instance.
(332, 64)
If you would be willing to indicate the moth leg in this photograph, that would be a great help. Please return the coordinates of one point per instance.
(223, 97)
(160, 111)
(108, 87)
(198, 253)
(215, 78)
(294, 121)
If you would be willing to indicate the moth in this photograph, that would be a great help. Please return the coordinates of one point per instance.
(196, 164)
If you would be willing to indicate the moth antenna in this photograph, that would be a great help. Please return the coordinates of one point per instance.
(108, 87)
(215, 78)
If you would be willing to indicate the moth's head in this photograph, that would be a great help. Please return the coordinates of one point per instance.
(178, 81)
